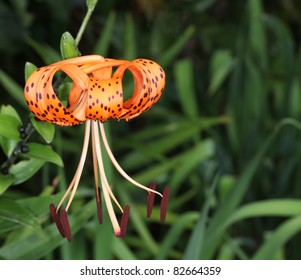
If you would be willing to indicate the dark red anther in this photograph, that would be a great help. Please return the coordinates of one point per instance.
(164, 203)
(66, 225)
(57, 220)
(98, 204)
(124, 221)
(150, 200)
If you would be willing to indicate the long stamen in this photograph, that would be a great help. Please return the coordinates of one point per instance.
(97, 153)
(98, 204)
(104, 180)
(118, 167)
(74, 183)
(97, 190)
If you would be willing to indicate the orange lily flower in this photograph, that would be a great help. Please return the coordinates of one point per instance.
(97, 94)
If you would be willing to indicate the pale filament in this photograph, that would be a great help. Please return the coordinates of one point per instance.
(117, 166)
(99, 170)
(104, 180)
(74, 183)
(105, 186)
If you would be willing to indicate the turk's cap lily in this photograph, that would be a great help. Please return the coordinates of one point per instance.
(97, 95)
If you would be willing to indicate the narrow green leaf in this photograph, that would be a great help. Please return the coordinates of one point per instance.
(122, 251)
(287, 60)
(149, 174)
(184, 78)
(45, 129)
(20, 8)
(77, 249)
(202, 6)
(129, 39)
(173, 235)
(103, 250)
(295, 99)
(278, 239)
(48, 55)
(25, 169)
(226, 184)
(12, 88)
(5, 182)
(166, 138)
(226, 252)
(102, 44)
(220, 66)
(155, 151)
(91, 4)
(204, 150)
(9, 127)
(6, 226)
(217, 227)
(257, 33)
(44, 152)
(275, 207)
(197, 238)
(141, 228)
(170, 54)
(14, 212)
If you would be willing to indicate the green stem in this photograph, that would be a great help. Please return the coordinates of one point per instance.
(83, 26)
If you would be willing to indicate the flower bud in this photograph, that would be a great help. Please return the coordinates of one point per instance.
(68, 48)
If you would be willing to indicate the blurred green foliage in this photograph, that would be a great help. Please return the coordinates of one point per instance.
(225, 135)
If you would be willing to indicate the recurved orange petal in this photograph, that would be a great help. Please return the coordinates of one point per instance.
(95, 93)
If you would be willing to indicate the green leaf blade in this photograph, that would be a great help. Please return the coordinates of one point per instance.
(9, 127)
(46, 130)
(44, 153)
(5, 182)
(13, 88)
(278, 239)
(14, 212)
(25, 169)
